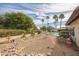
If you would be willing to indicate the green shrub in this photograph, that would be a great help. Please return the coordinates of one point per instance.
(39, 31)
(63, 34)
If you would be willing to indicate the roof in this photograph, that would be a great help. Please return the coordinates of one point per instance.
(74, 16)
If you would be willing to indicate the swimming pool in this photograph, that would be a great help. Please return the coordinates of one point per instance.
(56, 33)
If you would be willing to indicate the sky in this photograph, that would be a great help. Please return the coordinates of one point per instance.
(38, 11)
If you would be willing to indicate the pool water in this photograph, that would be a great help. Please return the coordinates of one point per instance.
(56, 33)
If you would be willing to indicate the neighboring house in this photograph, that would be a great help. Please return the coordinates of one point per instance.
(74, 23)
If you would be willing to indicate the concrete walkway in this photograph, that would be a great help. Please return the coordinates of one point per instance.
(63, 50)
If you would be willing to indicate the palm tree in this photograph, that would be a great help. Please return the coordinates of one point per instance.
(47, 17)
(56, 20)
(61, 16)
(42, 22)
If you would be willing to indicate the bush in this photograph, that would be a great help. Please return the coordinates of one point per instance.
(63, 34)
(39, 31)
(43, 28)
(11, 32)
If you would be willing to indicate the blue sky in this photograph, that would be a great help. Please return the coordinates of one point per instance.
(39, 11)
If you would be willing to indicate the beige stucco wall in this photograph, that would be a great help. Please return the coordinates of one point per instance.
(75, 24)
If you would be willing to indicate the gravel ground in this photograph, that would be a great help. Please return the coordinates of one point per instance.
(38, 45)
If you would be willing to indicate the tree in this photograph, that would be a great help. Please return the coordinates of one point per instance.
(50, 28)
(0, 19)
(42, 21)
(55, 17)
(61, 16)
(17, 21)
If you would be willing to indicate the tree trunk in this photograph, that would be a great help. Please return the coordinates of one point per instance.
(56, 25)
(60, 23)
(42, 24)
(47, 25)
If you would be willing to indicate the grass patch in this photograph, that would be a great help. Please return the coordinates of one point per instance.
(11, 32)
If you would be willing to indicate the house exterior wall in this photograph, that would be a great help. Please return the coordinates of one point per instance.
(75, 24)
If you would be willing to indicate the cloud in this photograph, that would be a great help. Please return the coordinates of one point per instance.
(38, 10)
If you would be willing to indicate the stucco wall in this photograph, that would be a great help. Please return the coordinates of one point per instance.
(75, 24)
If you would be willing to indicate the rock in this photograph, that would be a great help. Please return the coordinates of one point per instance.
(5, 50)
(49, 54)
